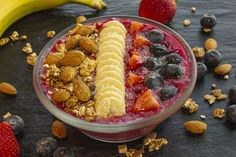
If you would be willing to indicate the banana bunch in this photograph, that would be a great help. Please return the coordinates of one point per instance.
(12, 10)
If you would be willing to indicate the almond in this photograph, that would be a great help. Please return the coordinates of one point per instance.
(7, 88)
(73, 58)
(85, 30)
(72, 42)
(196, 127)
(53, 58)
(61, 96)
(210, 44)
(223, 69)
(67, 73)
(81, 90)
(59, 130)
(88, 45)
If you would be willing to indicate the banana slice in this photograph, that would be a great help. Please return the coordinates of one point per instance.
(115, 23)
(110, 67)
(113, 42)
(110, 48)
(107, 55)
(112, 73)
(99, 92)
(112, 30)
(113, 37)
(108, 94)
(110, 61)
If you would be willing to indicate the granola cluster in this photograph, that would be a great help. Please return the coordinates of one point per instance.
(215, 95)
(190, 105)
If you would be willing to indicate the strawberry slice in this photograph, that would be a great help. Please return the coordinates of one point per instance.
(135, 26)
(140, 40)
(134, 52)
(135, 62)
(134, 79)
(146, 102)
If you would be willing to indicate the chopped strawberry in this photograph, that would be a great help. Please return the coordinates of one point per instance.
(134, 79)
(9, 146)
(140, 40)
(135, 26)
(146, 102)
(134, 52)
(135, 61)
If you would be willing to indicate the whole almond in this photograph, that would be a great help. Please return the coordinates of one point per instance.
(72, 42)
(59, 130)
(88, 45)
(7, 88)
(81, 90)
(73, 58)
(210, 44)
(61, 96)
(196, 127)
(53, 58)
(85, 30)
(223, 69)
(67, 73)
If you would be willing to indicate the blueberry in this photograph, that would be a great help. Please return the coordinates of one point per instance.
(153, 81)
(168, 92)
(173, 58)
(208, 21)
(64, 152)
(201, 70)
(231, 114)
(158, 50)
(172, 71)
(16, 122)
(151, 63)
(212, 58)
(232, 95)
(155, 36)
(46, 146)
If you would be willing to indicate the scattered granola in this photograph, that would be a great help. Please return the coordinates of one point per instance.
(14, 36)
(59, 130)
(210, 44)
(210, 98)
(193, 9)
(80, 19)
(51, 34)
(213, 86)
(198, 52)
(23, 37)
(27, 48)
(226, 77)
(203, 117)
(8, 114)
(190, 105)
(4, 41)
(218, 113)
(218, 94)
(122, 149)
(32, 58)
(87, 67)
(186, 22)
(206, 30)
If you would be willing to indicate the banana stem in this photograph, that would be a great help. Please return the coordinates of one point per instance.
(96, 4)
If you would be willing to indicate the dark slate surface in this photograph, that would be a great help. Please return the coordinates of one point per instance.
(218, 141)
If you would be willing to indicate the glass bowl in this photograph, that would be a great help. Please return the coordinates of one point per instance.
(115, 132)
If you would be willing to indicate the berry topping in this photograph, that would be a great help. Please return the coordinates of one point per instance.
(63, 152)
(172, 71)
(231, 114)
(212, 58)
(134, 79)
(135, 61)
(208, 21)
(168, 92)
(146, 102)
(201, 70)
(232, 95)
(158, 50)
(173, 58)
(153, 81)
(136, 26)
(151, 63)
(9, 146)
(155, 36)
(140, 41)
(16, 122)
(46, 146)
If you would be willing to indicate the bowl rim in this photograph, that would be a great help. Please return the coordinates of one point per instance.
(130, 125)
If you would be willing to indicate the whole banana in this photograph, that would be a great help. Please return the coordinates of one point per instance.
(12, 10)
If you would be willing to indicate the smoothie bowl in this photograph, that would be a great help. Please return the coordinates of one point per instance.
(115, 78)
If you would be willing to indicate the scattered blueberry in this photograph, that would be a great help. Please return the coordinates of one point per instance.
(64, 152)
(158, 50)
(155, 36)
(208, 21)
(172, 71)
(153, 81)
(231, 114)
(16, 122)
(151, 63)
(168, 92)
(232, 95)
(201, 70)
(46, 146)
(212, 58)
(173, 58)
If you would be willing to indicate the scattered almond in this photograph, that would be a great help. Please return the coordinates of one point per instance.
(7, 88)
(53, 58)
(88, 45)
(196, 127)
(61, 96)
(80, 19)
(223, 69)
(81, 90)
(67, 73)
(59, 130)
(82, 30)
(73, 58)
(210, 44)
(72, 41)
